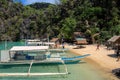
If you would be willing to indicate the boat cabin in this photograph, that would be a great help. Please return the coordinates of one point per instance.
(24, 53)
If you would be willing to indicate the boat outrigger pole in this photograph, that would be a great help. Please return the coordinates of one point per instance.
(35, 74)
(65, 67)
(30, 67)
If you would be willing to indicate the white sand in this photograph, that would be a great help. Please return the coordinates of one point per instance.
(103, 59)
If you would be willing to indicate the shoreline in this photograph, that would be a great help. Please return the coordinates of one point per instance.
(98, 59)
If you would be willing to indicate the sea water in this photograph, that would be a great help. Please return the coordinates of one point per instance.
(78, 71)
(8, 45)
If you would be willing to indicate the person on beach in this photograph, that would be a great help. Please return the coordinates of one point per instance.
(63, 45)
(98, 45)
(62, 41)
(118, 54)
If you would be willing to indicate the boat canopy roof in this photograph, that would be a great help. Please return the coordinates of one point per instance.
(46, 43)
(33, 40)
(28, 48)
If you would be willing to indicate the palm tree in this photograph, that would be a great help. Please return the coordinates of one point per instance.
(93, 32)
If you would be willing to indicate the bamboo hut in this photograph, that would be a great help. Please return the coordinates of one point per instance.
(80, 38)
(81, 41)
(56, 41)
(114, 41)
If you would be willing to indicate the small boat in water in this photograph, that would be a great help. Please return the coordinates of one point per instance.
(34, 54)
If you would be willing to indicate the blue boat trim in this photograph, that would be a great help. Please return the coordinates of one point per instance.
(75, 57)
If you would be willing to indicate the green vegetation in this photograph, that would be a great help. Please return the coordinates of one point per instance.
(97, 19)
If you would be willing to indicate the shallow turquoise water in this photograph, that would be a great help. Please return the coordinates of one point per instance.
(79, 71)
(8, 45)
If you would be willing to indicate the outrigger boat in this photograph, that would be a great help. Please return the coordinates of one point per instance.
(35, 54)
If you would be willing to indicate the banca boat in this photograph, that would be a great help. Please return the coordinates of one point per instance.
(34, 54)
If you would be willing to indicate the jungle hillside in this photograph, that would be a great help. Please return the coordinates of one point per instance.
(97, 19)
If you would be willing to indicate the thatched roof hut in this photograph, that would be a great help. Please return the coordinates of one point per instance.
(80, 38)
(54, 40)
(114, 40)
(80, 41)
(78, 34)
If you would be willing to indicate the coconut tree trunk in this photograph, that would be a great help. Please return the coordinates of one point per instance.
(93, 39)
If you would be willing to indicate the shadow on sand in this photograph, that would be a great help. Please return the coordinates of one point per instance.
(79, 47)
(116, 72)
(112, 55)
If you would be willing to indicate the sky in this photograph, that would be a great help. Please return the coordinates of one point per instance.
(26, 2)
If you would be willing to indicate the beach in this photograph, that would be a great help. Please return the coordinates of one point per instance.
(102, 59)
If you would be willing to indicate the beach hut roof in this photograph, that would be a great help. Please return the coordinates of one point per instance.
(115, 39)
(28, 48)
(33, 40)
(54, 39)
(77, 33)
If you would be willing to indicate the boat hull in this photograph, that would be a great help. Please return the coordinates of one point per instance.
(40, 62)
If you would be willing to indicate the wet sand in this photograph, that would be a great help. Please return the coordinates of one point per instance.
(102, 59)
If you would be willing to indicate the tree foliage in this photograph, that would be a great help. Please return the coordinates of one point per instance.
(40, 19)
